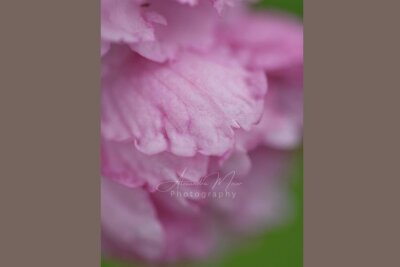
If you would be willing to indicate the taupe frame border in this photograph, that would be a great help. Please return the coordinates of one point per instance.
(50, 109)
(50, 133)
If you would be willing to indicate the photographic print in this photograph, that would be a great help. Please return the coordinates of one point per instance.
(201, 133)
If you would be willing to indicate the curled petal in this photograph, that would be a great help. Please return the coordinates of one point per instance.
(281, 125)
(129, 223)
(260, 193)
(265, 41)
(185, 27)
(272, 43)
(122, 162)
(122, 21)
(188, 106)
(189, 231)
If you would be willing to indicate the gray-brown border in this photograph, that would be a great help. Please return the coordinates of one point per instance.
(50, 143)
(50, 80)
(351, 131)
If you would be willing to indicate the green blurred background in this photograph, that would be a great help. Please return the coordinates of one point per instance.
(283, 245)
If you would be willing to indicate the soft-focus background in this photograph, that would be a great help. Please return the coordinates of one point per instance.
(281, 246)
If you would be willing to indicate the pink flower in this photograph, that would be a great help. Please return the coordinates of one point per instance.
(194, 145)
(273, 43)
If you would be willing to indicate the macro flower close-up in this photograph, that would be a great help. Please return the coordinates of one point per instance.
(201, 120)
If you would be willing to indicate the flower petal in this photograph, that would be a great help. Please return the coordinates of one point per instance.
(260, 196)
(267, 41)
(218, 4)
(189, 232)
(182, 29)
(122, 21)
(189, 2)
(186, 107)
(122, 162)
(272, 43)
(281, 125)
(128, 222)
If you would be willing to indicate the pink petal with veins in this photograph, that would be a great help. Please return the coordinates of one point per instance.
(189, 106)
(122, 162)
